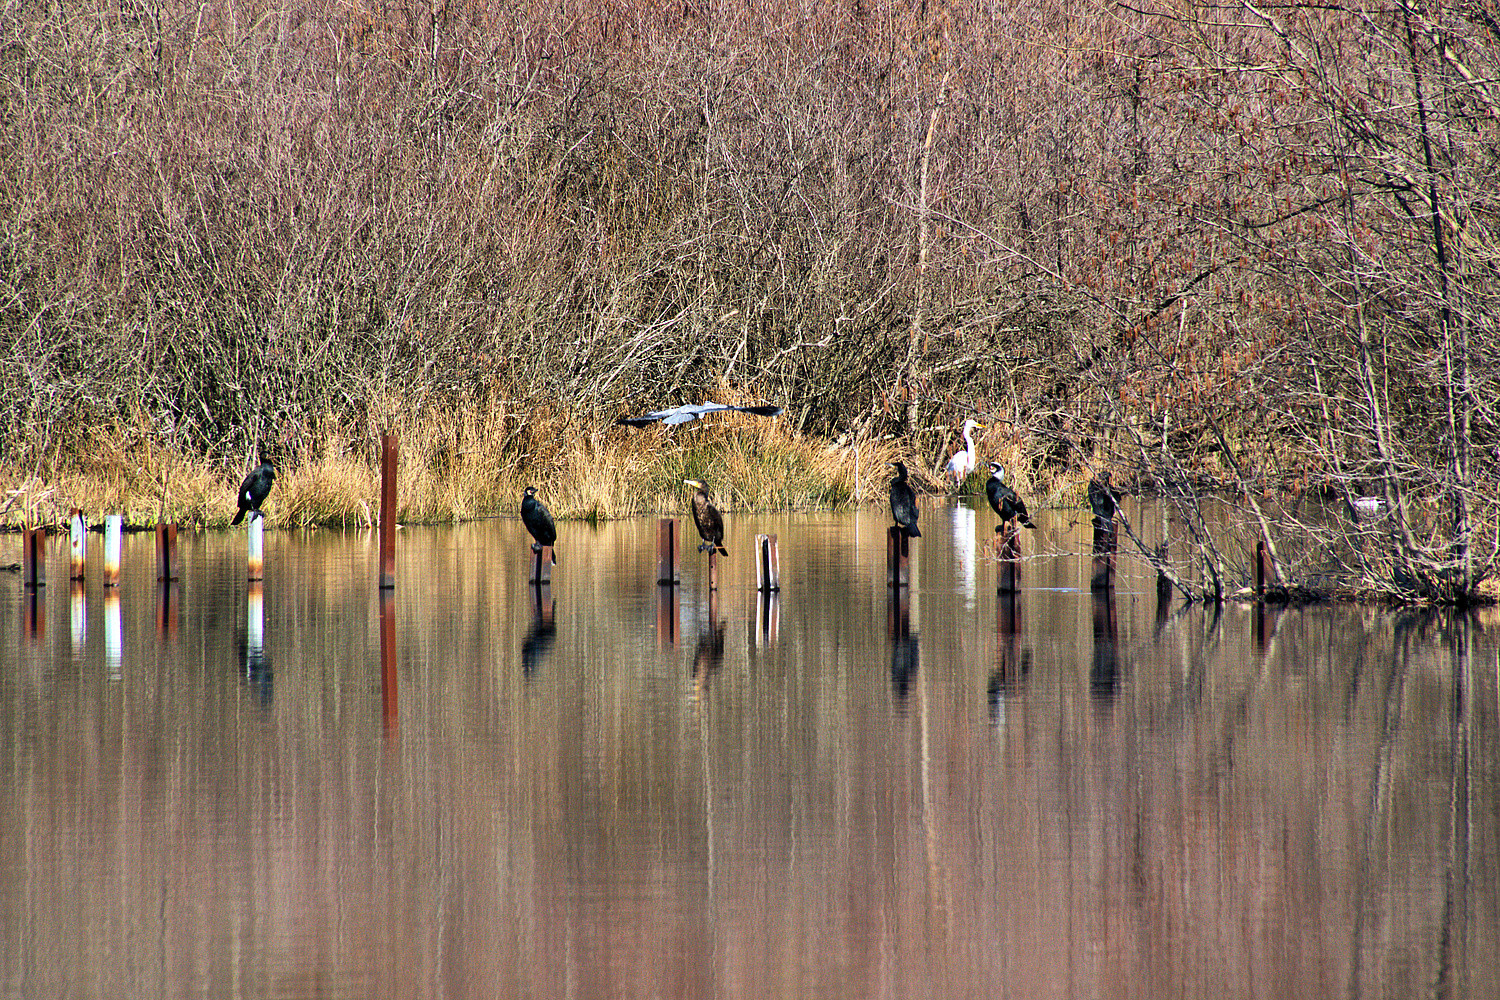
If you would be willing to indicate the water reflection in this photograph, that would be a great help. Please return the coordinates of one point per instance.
(1057, 797)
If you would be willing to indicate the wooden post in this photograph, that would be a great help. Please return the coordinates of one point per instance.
(166, 552)
(34, 557)
(77, 534)
(255, 547)
(1104, 556)
(767, 564)
(541, 566)
(388, 677)
(112, 528)
(1260, 569)
(387, 510)
(667, 569)
(1163, 585)
(1010, 559)
(713, 571)
(897, 557)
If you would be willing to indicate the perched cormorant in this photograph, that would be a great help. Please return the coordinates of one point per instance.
(708, 519)
(1103, 501)
(963, 462)
(904, 502)
(1006, 501)
(254, 489)
(538, 521)
(692, 411)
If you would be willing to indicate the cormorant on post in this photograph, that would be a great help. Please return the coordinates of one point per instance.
(254, 489)
(692, 411)
(1006, 501)
(1103, 501)
(963, 461)
(538, 521)
(708, 519)
(904, 502)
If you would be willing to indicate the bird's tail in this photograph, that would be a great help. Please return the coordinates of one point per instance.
(1029, 523)
(722, 550)
(912, 532)
(240, 516)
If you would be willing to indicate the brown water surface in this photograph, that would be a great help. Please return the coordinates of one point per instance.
(614, 794)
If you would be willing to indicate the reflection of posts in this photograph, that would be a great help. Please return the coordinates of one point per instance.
(257, 665)
(1104, 673)
(388, 658)
(543, 630)
(767, 618)
(114, 638)
(666, 615)
(78, 606)
(166, 608)
(708, 656)
(1258, 626)
(34, 612)
(1103, 577)
(905, 656)
(1010, 668)
(1010, 559)
(897, 557)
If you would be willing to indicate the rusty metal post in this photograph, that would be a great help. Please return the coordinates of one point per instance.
(112, 528)
(541, 566)
(667, 569)
(1104, 557)
(77, 535)
(387, 510)
(897, 557)
(166, 552)
(255, 548)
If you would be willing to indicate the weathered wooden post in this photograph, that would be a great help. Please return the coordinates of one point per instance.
(33, 557)
(387, 510)
(1163, 584)
(541, 567)
(166, 552)
(1262, 569)
(667, 569)
(112, 527)
(388, 683)
(1104, 556)
(713, 571)
(77, 536)
(897, 557)
(767, 565)
(255, 546)
(1010, 559)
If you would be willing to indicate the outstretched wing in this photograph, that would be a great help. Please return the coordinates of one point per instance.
(692, 411)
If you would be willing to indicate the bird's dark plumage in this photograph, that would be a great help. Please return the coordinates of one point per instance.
(254, 489)
(1006, 501)
(904, 502)
(708, 519)
(538, 521)
(1103, 500)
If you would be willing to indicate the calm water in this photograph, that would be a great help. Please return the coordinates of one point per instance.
(616, 796)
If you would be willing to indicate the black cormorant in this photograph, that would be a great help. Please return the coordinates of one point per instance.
(964, 461)
(1103, 501)
(904, 502)
(708, 519)
(1006, 501)
(538, 521)
(254, 489)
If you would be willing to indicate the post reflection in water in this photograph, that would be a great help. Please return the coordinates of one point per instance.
(767, 618)
(667, 615)
(543, 631)
(34, 613)
(1068, 802)
(167, 595)
(905, 655)
(78, 610)
(389, 697)
(258, 673)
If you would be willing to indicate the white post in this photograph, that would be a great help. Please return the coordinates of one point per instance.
(112, 525)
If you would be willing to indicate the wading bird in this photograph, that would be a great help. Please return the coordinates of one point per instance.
(692, 411)
(1006, 501)
(964, 461)
(254, 489)
(538, 521)
(708, 519)
(904, 502)
(1103, 500)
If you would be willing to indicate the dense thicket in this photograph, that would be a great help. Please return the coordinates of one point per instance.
(1224, 243)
